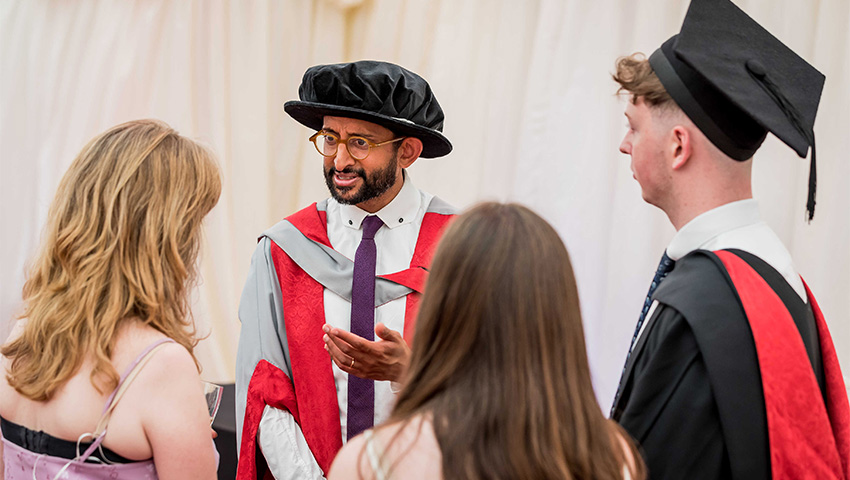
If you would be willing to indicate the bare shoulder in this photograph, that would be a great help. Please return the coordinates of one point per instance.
(168, 377)
(382, 443)
(171, 361)
(135, 337)
(168, 397)
(351, 461)
(408, 446)
(411, 446)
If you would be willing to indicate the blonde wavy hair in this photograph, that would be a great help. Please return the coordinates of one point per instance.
(121, 241)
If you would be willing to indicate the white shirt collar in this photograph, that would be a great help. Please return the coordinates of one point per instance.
(712, 223)
(400, 211)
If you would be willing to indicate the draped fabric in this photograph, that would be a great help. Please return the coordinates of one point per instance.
(530, 109)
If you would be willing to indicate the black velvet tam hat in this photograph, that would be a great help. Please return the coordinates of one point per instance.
(737, 82)
(378, 92)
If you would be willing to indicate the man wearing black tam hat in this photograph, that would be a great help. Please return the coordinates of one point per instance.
(731, 372)
(328, 309)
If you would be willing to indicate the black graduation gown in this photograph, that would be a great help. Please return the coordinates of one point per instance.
(692, 394)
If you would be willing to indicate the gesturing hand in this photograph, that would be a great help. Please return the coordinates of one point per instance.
(383, 359)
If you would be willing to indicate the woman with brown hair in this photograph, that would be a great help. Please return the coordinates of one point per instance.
(499, 384)
(108, 294)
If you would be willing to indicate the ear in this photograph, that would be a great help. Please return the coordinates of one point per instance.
(409, 151)
(680, 146)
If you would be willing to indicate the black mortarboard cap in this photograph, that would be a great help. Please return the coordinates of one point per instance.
(378, 92)
(737, 82)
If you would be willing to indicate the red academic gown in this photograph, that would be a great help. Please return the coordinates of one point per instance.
(310, 394)
(735, 377)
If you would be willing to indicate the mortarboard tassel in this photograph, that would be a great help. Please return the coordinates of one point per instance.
(793, 114)
(813, 180)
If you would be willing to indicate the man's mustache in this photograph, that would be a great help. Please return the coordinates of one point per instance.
(348, 170)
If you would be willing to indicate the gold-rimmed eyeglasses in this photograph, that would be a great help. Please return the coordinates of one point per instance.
(358, 147)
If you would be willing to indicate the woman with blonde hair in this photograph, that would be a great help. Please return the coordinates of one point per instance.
(499, 384)
(100, 379)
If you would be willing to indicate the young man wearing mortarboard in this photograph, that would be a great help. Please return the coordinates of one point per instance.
(732, 372)
(328, 309)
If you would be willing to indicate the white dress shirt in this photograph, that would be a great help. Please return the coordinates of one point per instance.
(734, 225)
(395, 242)
(281, 440)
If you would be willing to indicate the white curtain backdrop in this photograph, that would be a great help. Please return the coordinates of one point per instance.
(530, 109)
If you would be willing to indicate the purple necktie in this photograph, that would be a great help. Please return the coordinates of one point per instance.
(361, 391)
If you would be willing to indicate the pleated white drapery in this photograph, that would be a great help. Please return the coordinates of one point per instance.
(530, 108)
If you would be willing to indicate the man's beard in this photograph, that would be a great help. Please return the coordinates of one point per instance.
(372, 186)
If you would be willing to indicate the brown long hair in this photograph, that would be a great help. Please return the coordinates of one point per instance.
(121, 241)
(499, 359)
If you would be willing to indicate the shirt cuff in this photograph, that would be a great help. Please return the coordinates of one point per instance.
(285, 448)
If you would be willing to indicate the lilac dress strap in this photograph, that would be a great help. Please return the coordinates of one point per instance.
(100, 432)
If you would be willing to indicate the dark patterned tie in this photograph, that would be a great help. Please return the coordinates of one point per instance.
(665, 266)
(361, 392)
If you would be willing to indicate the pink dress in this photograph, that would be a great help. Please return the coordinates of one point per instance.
(23, 464)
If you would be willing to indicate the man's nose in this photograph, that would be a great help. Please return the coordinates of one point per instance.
(342, 159)
(625, 147)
